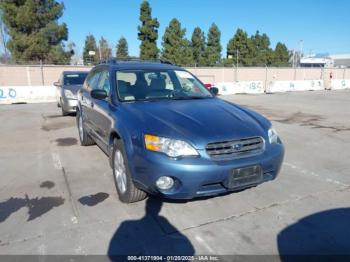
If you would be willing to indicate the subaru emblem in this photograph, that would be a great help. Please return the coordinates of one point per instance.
(237, 147)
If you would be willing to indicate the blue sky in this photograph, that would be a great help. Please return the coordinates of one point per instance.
(323, 25)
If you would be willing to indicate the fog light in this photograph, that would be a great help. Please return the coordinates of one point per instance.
(165, 182)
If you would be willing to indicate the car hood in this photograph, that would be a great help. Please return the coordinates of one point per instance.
(197, 121)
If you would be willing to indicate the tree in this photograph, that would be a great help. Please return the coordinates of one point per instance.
(122, 48)
(90, 45)
(281, 55)
(213, 48)
(187, 53)
(105, 51)
(176, 48)
(76, 58)
(71, 47)
(34, 31)
(148, 33)
(198, 46)
(241, 47)
(262, 54)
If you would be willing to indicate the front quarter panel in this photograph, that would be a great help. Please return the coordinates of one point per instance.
(126, 128)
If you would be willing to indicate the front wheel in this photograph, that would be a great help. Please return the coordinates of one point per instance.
(63, 112)
(127, 191)
(84, 137)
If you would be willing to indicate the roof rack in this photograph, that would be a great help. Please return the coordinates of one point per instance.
(118, 60)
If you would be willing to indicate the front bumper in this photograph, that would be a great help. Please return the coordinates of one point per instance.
(199, 176)
(69, 105)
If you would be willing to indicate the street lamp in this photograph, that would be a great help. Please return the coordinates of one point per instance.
(91, 54)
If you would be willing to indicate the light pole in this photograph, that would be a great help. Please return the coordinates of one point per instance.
(231, 57)
(99, 51)
(301, 44)
(91, 54)
(3, 37)
(237, 57)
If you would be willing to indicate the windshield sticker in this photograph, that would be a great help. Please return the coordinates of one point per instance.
(184, 74)
(72, 75)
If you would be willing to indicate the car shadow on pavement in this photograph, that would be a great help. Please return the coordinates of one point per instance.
(147, 236)
(323, 233)
(203, 198)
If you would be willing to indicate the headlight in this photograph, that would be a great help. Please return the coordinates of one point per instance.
(170, 147)
(68, 94)
(273, 136)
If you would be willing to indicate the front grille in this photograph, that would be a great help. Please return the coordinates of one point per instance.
(237, 148)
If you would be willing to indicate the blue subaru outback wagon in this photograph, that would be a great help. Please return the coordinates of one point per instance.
(166, 134)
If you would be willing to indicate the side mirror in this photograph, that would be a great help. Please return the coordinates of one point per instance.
(214, 91)
(57, 84)
(99, 94)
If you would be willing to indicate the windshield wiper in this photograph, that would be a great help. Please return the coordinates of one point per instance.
(189, 97)
(152, 99)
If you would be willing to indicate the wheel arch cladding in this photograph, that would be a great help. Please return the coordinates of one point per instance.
(113, 135)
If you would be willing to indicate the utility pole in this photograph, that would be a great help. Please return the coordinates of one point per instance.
(301, 44)
(3, 37)
(91, 54)
(237, 55)
(42, 72)
(99, 52)
(294, 55)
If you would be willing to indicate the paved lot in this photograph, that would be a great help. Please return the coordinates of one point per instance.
(47, 181)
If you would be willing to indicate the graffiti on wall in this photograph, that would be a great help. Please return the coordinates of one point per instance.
(296, 85)
(240, 87)
(27, 94)
(340, 83)
(255, 85)
(7, 93)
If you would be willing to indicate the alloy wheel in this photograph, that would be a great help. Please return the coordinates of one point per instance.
(120, 171)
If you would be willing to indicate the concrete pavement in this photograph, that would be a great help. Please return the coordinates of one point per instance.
(57, 197)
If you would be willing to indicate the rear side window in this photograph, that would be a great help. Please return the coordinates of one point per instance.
(74, 78)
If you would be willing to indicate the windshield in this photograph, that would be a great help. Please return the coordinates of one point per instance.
(74, 79)
(147, 85)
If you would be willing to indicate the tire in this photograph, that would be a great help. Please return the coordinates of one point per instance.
(64, 113)
(130, 193)
(84, 138)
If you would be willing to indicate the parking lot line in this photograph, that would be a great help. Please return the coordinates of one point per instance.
(313, 174)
